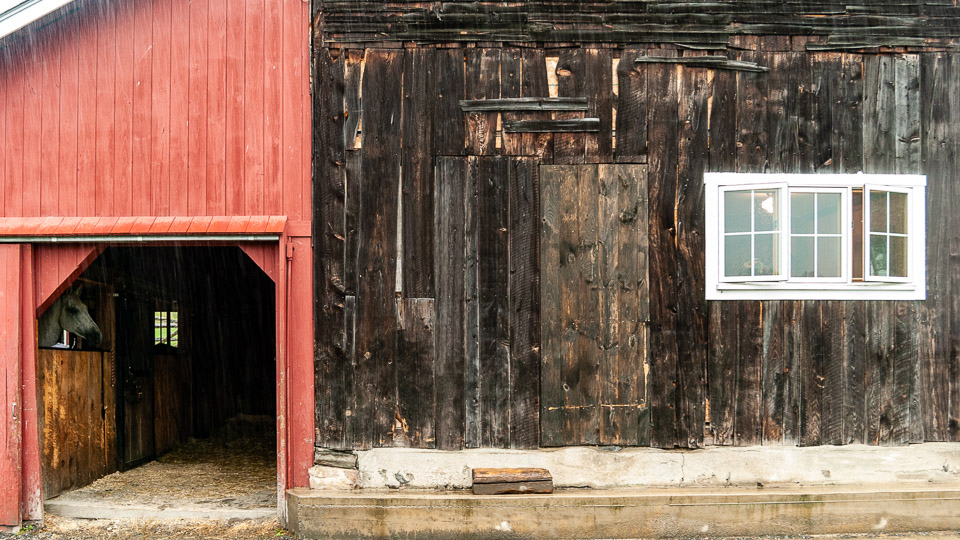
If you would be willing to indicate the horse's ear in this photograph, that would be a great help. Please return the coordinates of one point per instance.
(78, 289)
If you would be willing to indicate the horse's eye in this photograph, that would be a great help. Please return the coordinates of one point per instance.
(73, 310)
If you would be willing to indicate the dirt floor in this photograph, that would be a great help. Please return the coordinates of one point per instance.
(236, 468)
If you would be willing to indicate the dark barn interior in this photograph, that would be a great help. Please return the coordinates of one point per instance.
(189, 346)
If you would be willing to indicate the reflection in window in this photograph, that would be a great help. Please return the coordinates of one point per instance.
(888, 234)
(751, 233)
(166, 328)
(816, 249)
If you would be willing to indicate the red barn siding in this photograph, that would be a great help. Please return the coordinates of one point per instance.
(158, 108)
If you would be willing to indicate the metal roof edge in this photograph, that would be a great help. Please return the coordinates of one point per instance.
(25, 12)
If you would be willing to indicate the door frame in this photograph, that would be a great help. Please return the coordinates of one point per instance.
(288, 261)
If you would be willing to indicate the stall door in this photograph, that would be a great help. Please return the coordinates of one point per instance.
(135, 403)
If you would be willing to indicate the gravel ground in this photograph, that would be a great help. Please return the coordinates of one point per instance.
(57, 528)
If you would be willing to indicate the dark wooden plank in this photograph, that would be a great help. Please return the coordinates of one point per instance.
(854, 366)
(811, 372)
(752, 147)
(448, 121)
(904, 360)
(662, 188)
(774, 373)
(551, 391)
(352, 71)
(705, 61)
(573, 125)
(610, 301)
(417, 182)
(482, 78)
(353, 170)
(723, 329)
(938, 154)
(833, 380)
(511, 67)
(376, 260)
(631, 109)
(569, 147)
(416, 408)
(328, 231)
(471, 302)
(524, 300)
(492, 283)
(952, 69)
(449, 271)
(692, 151)
(534, 85)
(524, 103)
(584, 376)
(569, 282)
(598, 84)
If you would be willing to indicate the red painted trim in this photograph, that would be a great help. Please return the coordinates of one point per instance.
(32, 476)
(11, 403)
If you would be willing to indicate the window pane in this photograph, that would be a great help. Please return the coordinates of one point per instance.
(828, 256)
(878, 211)
(856, 243)
(765, 255)
(801, 256)
(828, 213)
(736, 211)
(765, 206)
(736, 255)
(898, 256)
(898, 213)
(801, 213)
(878, 255)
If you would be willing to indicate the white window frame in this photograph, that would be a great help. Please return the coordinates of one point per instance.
(874, 288)
(782, 188)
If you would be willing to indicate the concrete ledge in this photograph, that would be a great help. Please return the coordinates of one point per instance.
(614, 468)
(622, 513)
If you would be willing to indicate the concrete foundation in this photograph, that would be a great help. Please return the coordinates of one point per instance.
(690, 512)
(630, 467)
(642, 492)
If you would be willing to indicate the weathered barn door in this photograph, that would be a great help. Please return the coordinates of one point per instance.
(593, 252)
(135, 402)
(10, 403)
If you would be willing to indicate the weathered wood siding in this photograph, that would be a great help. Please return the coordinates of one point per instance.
(404, 263)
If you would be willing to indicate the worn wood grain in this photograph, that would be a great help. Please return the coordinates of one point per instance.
(534, 85)
(569, 283)
(377, 254)
(416, 188)
(504, 488)
(482, 78)
(571, 72)
(449, 332)
(496, 476)
(448, 133)
(524, 301)
(631, 129)
(598, 84)
(329, 195)
(416, 370)
(552, 259)
(511, 72)
(661, 186)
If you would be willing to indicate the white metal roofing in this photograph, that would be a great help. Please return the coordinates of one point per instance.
(15, 14)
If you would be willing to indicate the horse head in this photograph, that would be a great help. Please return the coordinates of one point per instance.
(71, 314)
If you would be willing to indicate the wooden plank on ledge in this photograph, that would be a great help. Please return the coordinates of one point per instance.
(541, 126)
(525, 104)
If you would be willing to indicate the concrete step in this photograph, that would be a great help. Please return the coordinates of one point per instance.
(627, 513)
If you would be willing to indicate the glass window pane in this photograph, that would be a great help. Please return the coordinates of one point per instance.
(801, 213)
(828, 256)
(828, 213)
(898, 256)
(878, 211)
(736, 211)
(878, 255)
(765, 206)
(801, 256)
(898, 213)
(736, 255)
(765, 255)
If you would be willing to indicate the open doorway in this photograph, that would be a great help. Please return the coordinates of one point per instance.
(177, 403)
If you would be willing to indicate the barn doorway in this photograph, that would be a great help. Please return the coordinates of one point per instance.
(178, 401)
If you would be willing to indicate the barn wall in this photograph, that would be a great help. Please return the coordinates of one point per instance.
(719, 373)
(157, 108)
